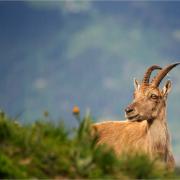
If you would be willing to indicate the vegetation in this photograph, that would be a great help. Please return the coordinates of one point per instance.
(46, 150)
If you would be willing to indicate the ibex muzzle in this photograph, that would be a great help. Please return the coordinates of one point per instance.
(148, 97)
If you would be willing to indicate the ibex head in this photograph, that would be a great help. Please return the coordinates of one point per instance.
(149, 99)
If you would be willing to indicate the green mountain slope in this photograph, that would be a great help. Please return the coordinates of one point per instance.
(46, 150)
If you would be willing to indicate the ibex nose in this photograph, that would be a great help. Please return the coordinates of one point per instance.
(129, 109)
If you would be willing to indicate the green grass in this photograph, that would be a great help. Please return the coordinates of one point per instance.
(45, 150)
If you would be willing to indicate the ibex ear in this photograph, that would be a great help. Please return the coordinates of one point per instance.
(136, 84)
(167, 88)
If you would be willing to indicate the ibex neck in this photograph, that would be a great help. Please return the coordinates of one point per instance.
(158, 131)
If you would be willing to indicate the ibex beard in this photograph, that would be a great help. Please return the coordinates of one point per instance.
(145, 128)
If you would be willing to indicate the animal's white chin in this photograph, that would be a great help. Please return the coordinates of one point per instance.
(135, 117)
(132, 117)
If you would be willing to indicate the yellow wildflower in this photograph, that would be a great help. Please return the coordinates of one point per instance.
(76, 110)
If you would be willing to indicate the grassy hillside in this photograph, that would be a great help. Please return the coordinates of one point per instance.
(46, 150)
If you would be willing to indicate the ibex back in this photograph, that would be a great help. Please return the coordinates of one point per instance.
(145, 129)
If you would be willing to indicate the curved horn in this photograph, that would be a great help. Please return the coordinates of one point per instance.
(161, 74)
(148, 72)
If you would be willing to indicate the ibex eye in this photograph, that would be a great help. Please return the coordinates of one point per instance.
(154, 96)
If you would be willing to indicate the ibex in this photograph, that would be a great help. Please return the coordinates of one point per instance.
(145, 129)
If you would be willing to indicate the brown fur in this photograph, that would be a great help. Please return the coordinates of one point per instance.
(147, 132)
(128, 136)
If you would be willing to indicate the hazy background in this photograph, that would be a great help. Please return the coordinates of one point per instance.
(55, 55)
